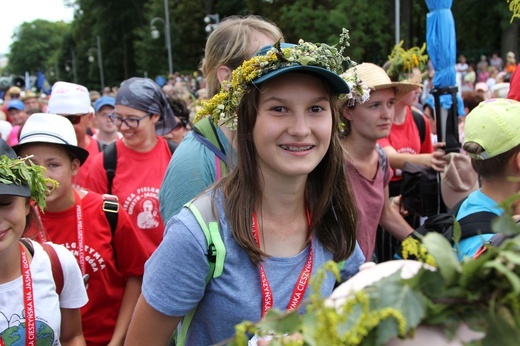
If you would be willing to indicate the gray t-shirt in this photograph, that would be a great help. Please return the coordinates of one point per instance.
(174, 279)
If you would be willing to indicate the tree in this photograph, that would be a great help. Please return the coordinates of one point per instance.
(36, 45)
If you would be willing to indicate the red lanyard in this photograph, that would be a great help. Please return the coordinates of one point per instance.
(79, 226)
(301, 284)
(28, 299)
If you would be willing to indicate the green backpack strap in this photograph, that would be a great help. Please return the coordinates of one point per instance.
(202, 209)
(206, 132)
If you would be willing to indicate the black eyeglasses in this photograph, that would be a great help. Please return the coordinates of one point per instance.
(130, 122)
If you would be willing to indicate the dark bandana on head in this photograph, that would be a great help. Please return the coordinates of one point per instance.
(145, 95)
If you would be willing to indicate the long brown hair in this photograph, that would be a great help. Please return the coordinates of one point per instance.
(329, 198)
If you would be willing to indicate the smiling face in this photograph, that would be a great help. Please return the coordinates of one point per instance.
(136, 138)
(293, 127)
(13, 213)
(373, 119)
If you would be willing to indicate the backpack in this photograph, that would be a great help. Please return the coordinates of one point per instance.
(57, 270)
(206, 133)
(420, 190)
(202, 209)
(110, 161)
(420, 123)
(443, 223)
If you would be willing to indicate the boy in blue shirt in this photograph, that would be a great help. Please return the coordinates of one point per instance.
(492, 140)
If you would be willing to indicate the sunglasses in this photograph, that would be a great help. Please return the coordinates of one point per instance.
(74, 119)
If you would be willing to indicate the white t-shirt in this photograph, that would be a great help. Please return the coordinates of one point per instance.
(46, 301)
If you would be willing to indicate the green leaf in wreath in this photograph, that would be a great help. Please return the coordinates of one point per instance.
(448, 264)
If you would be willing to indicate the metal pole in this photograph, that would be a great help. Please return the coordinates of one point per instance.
(75, 76)
(397, 22)
(167, 35)
(100, 61)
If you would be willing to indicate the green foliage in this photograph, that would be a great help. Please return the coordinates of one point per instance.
(16, 171)
(36, 46)
(484, 293)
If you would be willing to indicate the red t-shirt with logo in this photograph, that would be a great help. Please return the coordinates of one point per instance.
(405, 138)
(108, 260)
(80, 180)
(138, 177)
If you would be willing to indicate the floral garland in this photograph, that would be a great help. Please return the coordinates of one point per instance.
(359, 91)
(222, 107)
(18, 171)
(402, 62)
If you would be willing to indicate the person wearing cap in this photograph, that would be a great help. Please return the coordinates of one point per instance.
(32, 307)
(106, 129)
(493, 143)
(32, 101)
(112, 258)
(142, 115)
(278, 209)
(368, 117)
(237, 38)
(17, 116)
(73, 102)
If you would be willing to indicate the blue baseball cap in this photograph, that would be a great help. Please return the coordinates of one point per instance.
(16, 104)
(339, 86)
(104, 101)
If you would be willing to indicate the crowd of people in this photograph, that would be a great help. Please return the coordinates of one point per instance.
(179, 213)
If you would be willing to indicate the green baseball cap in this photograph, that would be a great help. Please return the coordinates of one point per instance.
(495, 125)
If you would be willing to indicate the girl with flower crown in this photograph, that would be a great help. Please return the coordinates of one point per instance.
(32, 308)
(283, 212)
(368, 119)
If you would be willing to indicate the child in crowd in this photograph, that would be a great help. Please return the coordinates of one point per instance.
(493, 143)
(284, 211)
(95, 228)
(368, 117)
(35, 309)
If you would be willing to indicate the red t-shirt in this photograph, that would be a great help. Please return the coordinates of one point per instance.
(405, 138)
(80, 180)
(137, 181)
(108, 261)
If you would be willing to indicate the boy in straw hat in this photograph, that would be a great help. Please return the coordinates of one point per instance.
(368, 170)
(493, 143)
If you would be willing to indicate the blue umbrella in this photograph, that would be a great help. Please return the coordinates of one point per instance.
(440, 42)
(441, 46)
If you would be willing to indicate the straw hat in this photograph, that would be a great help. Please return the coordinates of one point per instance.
(376, 78)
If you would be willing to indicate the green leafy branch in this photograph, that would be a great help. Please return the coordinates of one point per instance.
(21, 171)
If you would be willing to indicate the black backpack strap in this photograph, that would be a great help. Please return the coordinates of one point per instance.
(172, 146)
(110, 163)
(476, 223)
(420, 123)
(473, 224)
(111, 209)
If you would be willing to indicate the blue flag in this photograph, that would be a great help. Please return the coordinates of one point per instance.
(42, 84)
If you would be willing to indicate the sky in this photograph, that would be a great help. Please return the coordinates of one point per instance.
(21, 11)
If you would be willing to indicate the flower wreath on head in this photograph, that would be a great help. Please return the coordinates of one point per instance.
(401, 62)
(222, 107)
(359, 91)
(17, 171)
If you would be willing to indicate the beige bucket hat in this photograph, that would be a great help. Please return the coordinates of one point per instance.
(375, 78)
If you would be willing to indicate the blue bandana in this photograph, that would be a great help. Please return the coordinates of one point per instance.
(145, 95)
